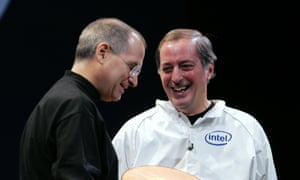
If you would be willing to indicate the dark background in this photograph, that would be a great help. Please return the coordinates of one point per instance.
(256, 69)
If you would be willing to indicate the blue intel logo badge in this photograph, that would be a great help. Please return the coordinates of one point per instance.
(218, 138)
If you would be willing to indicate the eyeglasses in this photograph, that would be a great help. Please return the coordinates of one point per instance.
(134, 70)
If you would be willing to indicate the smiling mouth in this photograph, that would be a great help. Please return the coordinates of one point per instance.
(180, 89)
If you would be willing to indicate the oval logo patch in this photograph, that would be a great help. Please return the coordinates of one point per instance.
(218, 138)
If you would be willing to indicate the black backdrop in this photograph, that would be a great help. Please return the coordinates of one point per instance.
(256, 69)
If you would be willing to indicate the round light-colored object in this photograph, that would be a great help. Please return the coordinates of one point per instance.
(156, 173)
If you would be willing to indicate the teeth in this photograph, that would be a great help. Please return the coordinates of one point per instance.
(180, 89)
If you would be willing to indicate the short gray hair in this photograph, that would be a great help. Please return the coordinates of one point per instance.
(110, 30)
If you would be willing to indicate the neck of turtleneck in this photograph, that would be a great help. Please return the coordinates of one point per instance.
(194, 117)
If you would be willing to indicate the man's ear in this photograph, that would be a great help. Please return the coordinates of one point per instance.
(211, 71)
(102, 51)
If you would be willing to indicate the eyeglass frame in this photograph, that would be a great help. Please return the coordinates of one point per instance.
(134, 71)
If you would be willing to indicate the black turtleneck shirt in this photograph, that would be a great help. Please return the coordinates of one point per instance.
(65, 136)
(193, 118)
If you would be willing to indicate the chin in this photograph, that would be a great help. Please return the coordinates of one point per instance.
(179, 103)
(117, 98)
(111, 99)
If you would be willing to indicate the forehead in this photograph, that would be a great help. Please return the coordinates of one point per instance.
(135, 52)
(179, 50)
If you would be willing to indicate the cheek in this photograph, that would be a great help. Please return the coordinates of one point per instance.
(118, 74)
(196, 75)
(165, 79)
